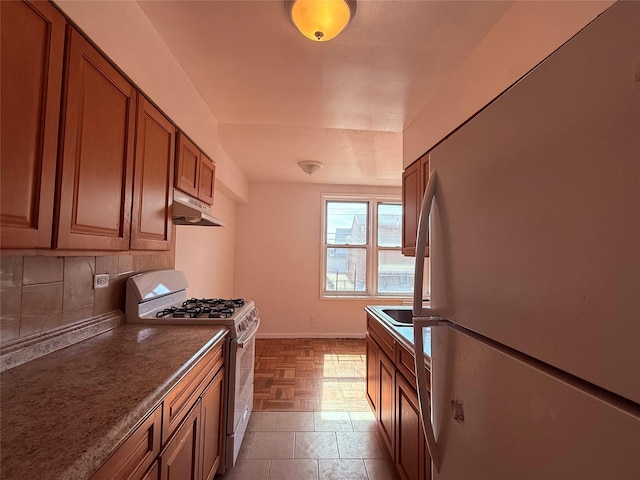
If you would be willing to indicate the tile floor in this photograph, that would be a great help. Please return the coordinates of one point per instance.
(319, 445)
(311, 419)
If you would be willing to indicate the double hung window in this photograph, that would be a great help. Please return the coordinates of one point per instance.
(362, 238)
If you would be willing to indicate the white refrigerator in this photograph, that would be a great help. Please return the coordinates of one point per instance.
(533, 208)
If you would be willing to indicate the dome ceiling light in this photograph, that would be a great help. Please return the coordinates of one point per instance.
(321, 20)
(310, 166)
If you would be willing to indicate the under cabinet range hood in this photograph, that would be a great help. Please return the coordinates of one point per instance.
(190, 211)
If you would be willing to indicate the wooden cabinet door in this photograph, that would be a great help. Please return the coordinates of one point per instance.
(32, 48)
(153, 179)
(97, 156)
(180, 459)
(410, 207)
(213, 432)
(373, 382)
(207, 179)
(410, 458)
(386, 406)
(187, 166)
(153, 473)
(414, 183)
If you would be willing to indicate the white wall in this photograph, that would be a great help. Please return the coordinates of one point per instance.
(206, 254)
(278, 249)
(526, 34)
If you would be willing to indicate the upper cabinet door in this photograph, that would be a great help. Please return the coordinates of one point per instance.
(31, 77)
(410, 212)
(187, 166)
(414, 183)
(97, 156)
(153, 180)
(207, 179)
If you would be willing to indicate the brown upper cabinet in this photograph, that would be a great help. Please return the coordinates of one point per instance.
(153, 179)
(207, 179)
(96, 163)
(195, 172)
(31, 76)
(414, 183)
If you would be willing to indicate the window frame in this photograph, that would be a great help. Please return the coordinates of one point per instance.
(371, 246)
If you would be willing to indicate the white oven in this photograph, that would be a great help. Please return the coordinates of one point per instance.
(242, 351)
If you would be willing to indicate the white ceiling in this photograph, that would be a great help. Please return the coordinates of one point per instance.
(280, 98)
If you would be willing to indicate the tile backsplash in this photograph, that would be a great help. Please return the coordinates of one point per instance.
(41, 293)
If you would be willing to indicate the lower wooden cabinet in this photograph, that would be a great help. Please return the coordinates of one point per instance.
(372, 376)
(182, 439)
(411, 456)
(180, 459)
(391, 391)
(386, 417)
(194, 451)
(213, 431)
(153, 473)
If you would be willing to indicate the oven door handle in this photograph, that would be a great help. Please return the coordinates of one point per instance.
(248, 336)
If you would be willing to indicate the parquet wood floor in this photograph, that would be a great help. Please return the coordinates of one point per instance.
(310, 374)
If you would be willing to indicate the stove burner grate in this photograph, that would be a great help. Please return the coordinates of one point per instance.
(203, 308)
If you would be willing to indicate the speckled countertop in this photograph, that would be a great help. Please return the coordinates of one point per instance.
(404, 334)
(62, 415)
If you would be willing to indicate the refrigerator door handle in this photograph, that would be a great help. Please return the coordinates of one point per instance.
(420, 323)
(421, 244)
(424, 317)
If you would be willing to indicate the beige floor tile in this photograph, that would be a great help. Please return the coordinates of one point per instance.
(342, 470)
(380, 469)
(248, 470)
(363, 421)
(247, 441)
(290, 469)
(272, 445)
(262, 422)
(316, 445)
(294, 422)
(359, 445)
(332, 422)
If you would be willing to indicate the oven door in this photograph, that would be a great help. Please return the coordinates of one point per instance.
(240, 389)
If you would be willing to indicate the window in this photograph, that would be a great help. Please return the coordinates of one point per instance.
(362, 237)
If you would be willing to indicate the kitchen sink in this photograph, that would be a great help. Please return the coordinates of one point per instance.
(402, 316)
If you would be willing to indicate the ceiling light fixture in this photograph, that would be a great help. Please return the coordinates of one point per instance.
(310, 166)
(321, 20)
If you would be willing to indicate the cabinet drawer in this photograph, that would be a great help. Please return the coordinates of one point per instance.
(184, 395)
(406, 364)
(382, 337)
(136, 454)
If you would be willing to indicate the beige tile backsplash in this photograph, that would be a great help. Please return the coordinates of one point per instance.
(41, 293)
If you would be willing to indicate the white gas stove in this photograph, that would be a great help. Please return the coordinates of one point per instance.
(160, 297)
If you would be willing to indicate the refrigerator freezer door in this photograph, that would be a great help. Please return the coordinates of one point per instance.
(497, 418)
(535, 232)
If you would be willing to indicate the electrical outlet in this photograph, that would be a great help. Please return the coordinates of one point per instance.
(100, 280)
(313, 318)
